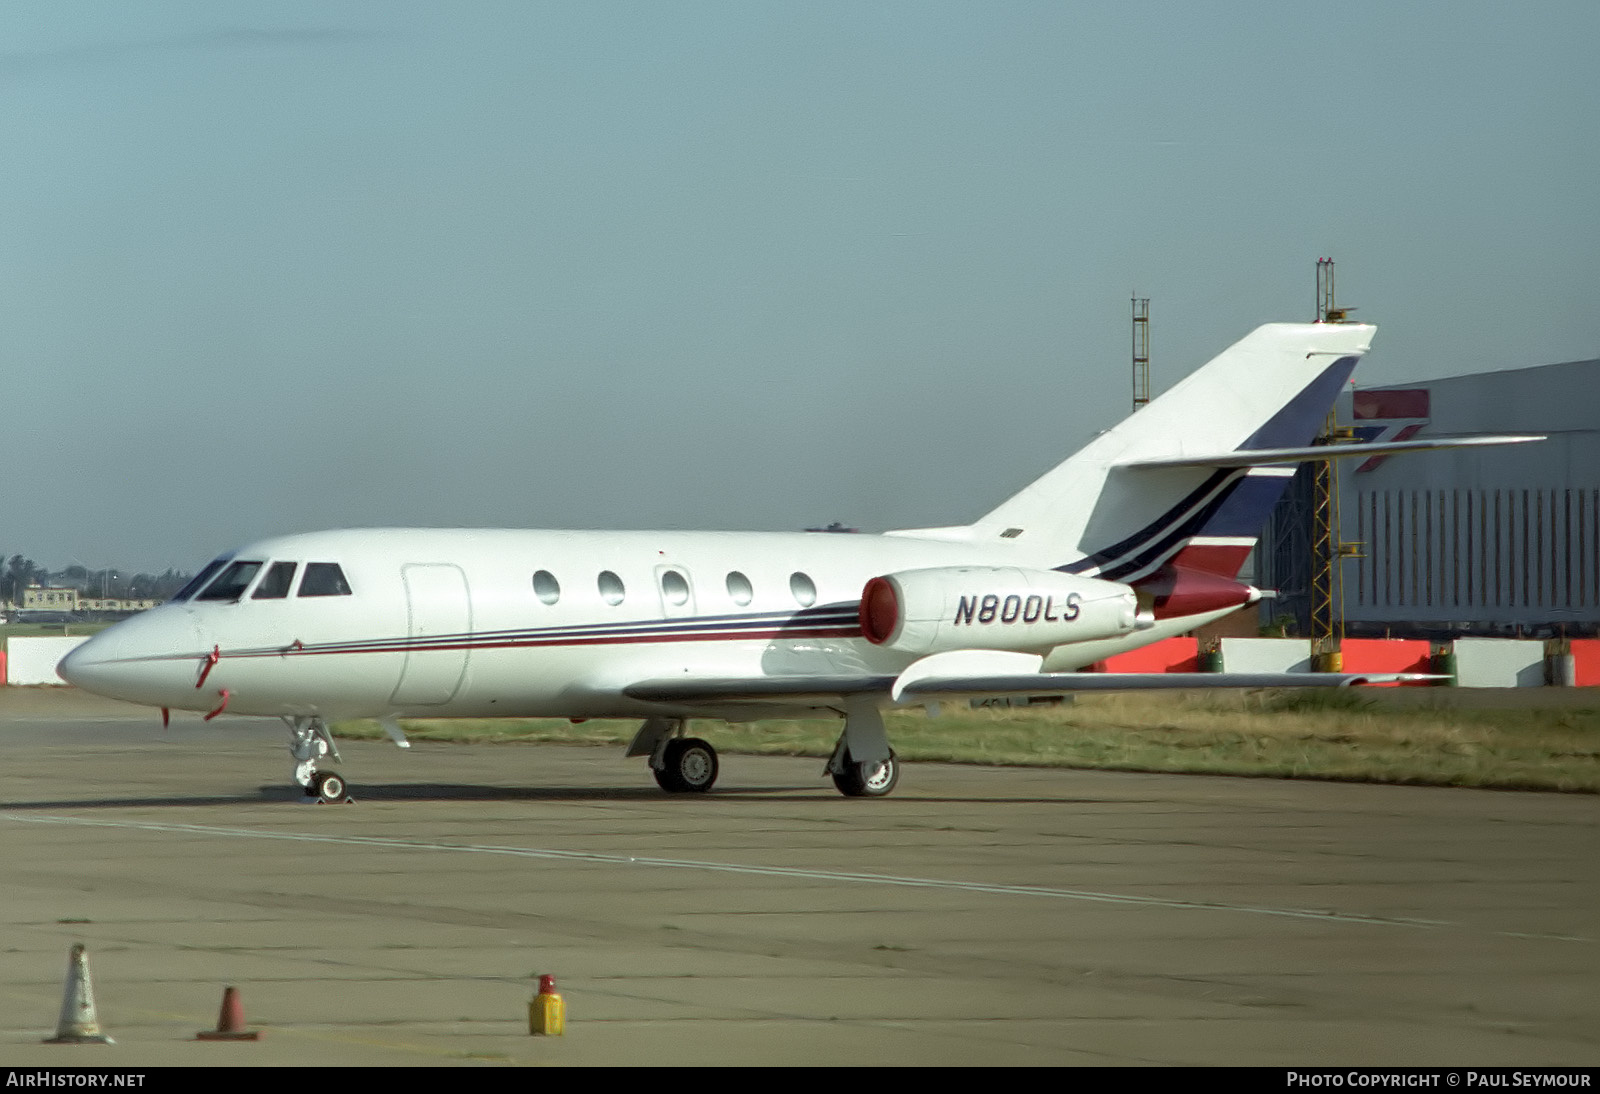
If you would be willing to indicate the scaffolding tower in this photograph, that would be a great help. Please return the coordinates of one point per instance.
(1328, 548)
(1141, 351)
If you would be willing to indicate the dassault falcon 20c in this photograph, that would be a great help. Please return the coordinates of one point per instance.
(1137, 537)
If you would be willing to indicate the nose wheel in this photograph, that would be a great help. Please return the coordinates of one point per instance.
(328, 787)
(309, 742)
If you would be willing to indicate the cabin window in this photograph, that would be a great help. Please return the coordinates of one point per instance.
(546, 585)
(324, 579)
(803, 588)
(275, 586)
(611, 590)
(232, 582)
(675, 588)
(198, 581)
(739, 588)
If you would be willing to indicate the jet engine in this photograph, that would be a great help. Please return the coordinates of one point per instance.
(919, 612)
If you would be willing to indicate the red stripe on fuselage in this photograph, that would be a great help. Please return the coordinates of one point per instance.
(520, 643)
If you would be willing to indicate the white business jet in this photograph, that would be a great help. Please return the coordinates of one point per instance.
(1137, 537)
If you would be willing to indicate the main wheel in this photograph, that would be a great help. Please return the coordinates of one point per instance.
(328, 786)
(867, 780)
(688, 765)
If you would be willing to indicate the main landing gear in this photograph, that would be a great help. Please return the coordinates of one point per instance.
(309, 742)
(688, 765)
(681, 765)
(862, 765)
(864, 780)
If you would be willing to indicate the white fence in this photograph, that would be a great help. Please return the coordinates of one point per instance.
(34, 660)
(1266, 654)
(1499, 663)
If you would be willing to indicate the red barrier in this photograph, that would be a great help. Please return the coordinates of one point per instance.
(1586, 662)
(3, 678)
(1167, 655)
(1388, 655)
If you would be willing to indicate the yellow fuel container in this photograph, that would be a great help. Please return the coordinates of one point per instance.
(547, 1011)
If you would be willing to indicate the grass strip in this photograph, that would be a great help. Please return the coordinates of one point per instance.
(1342, 735)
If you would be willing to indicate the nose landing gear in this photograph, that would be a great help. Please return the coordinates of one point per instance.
(328, 787)
(309, 742)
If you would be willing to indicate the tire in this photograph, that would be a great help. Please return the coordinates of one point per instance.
(329, 787)
(689, 766)
(856, 781)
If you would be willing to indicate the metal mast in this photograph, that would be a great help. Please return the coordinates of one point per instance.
(1141, 351)
(1327, 548)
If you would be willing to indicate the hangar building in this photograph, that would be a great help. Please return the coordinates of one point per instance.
(1491, 541)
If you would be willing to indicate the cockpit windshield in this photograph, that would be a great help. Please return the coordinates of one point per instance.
(232, 583)
(324, 579)
(198, 581)
(275, 586)
(226, 580)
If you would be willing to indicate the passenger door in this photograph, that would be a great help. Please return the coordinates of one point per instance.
(440, 612)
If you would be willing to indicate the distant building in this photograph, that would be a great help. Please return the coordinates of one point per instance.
(49, 598)
(66, 600)
(125, 605)
(1467, 541)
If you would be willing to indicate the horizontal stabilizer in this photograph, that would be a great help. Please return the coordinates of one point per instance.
(1260, 456)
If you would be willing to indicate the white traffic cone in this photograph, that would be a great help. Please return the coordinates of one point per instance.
(78, 1024)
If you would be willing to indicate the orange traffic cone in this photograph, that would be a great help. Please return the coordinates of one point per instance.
(78, 1024)
(230, 1024)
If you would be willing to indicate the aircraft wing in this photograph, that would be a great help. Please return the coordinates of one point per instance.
(1263, 456)
(756, 689)
(1065, 683)
(914, 685)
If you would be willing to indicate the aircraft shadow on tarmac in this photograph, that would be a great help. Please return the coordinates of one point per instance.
(466, 792)
(366, 792)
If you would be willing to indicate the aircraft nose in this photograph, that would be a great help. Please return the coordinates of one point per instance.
(147, 659)
(83, 665)
(69, 672)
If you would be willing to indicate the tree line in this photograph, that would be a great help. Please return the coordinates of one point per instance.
(19, 572)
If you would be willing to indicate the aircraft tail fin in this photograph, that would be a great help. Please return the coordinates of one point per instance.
(1132, 505)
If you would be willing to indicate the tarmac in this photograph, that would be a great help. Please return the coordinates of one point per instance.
(980, 916)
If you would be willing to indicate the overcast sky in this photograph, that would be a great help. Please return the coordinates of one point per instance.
(268, 266)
